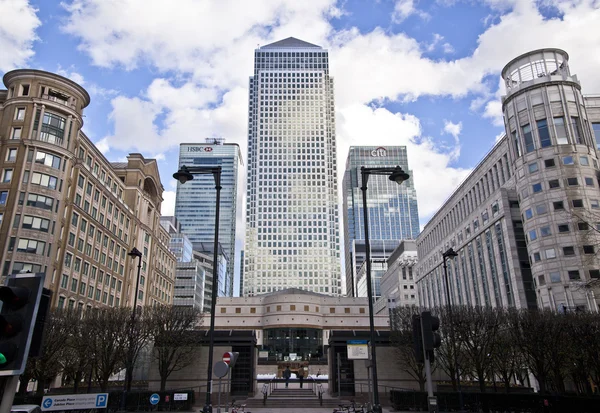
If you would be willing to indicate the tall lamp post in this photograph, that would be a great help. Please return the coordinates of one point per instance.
(450, 253)
(397, 175)
(187, 174)
(134, 253)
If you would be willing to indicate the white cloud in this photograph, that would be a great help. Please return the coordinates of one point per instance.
(453, 129)
(209, 52)
(167, 207)
(18, 23)
(406, 8)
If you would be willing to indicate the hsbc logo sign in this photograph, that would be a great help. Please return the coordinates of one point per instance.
(379, 152)
(199, 149)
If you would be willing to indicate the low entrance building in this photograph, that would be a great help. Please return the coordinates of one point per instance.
(299, 329)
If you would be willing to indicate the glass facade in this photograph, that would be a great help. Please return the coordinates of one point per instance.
(292, 235)
(302, 343)
(392, 208)
(195, 203)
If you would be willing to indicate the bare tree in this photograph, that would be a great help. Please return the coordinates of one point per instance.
(402, 340)
(49, 364)
(477, 331)
(445, 354)
(139, 331)
(174, 341)
(108, 340)
(532, 332)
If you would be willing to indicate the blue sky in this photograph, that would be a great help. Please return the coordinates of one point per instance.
(424, 74)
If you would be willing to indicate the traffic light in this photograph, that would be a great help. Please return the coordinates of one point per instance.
(431, 339)
(417, 339)
(20, 300)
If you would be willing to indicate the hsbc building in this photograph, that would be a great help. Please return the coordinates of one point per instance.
(195, 202)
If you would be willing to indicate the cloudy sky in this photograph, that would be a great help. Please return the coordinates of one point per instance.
(424, 74)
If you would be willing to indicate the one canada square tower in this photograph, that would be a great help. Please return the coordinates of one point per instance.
(292, 231)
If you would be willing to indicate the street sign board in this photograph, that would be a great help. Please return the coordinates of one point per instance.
(154, 399)
(220, 369)
(180, 396)
(227, 358)
(75, 402)
(358, 350)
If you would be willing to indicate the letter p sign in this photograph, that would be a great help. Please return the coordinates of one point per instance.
(101, 400)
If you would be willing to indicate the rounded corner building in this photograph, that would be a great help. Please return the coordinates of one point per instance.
(525, 224)
(553, 148)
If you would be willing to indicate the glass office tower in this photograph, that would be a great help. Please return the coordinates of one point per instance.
(393, 211)
(292, 235)
(195, 202)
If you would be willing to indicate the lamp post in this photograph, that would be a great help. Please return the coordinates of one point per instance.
(450, 253)
(183, 175)
(134, 253)
(397, 175)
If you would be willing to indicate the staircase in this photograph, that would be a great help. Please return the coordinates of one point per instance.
(292, 399)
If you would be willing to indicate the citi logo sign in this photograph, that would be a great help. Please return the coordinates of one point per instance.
(379, 152)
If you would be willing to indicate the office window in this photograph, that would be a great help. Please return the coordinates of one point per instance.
(53, 128)
(532, 235)
(550, 253)
(533, 167)
(555, 277)
(542, 280)
(537, 257)
(20, 114)
(554, 183)
(44, 180)
(588, 249)
(593, 273)
(561, 131)
(574, 274)
(572, 181)
(596, 129)
(7, 176)
(545, 231)
(11, 155)
(528, 213)
(3, 197)
(541, 209)
(568, 251)
(577, 203)
(568, 160)
(528, 138)
(544, 133)
(549, 163)
(589, 181)
(563, 228)
(47, 159)
(583, 226)
(16, 133)
(558, 205)
(583, 160)
(537, 187)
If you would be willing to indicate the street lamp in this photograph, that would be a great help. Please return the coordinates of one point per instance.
(397, 175)
(450, 253)
(187, 174)
(134, 253)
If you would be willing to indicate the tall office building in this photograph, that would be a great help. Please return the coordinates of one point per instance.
(292, 237)
(392, 208)
(195, 203)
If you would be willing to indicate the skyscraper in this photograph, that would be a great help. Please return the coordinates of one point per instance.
(393, 212)
(292, 237)
(195, 202)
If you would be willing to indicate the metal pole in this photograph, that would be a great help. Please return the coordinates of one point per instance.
(129, 366)
(215, 291)
(10, 388)
(339, 374)
(376, 406)
(451, 317)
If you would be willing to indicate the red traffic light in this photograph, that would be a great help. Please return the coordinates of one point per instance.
(14, 297)
(10, 325)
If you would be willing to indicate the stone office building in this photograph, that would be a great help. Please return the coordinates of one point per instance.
(525, 222)
(67, 211)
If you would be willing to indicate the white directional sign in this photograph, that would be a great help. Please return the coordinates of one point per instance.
(75, 402)
(180, 396)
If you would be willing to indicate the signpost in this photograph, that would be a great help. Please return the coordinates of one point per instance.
(220, 370)
(75, 402)
(229, 358)
(358, 349)
(180, 396)
(154, 399)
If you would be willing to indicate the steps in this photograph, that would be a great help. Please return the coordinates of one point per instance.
(292, 399)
